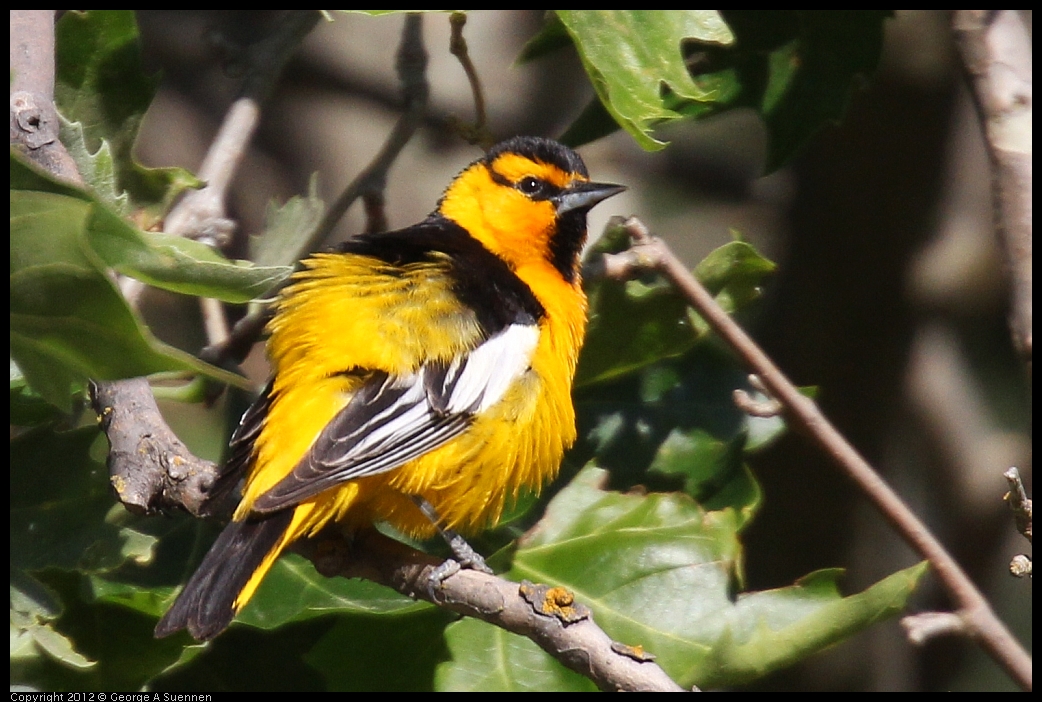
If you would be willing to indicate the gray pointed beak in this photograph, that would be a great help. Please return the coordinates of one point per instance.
(584, 196)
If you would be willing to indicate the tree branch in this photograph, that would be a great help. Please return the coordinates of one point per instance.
(1020, 504)
(477, 133)
(34, 120)
(149, 467)
(995, 47)
(200, 214)
(803, 414)
(576, 641)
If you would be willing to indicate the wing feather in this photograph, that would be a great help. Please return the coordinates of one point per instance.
(393, 419)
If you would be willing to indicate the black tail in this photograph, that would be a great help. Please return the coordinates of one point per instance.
(206, 606)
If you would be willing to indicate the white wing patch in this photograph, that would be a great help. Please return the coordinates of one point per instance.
(394, 419)
(476, 382)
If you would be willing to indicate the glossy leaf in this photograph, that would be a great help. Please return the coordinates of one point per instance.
(634, 60)
(162, 260)
(659, 571)
(28, 407)
(295, 591)
(62, 516)
(33, 635)
(797, 68)
(488, 659)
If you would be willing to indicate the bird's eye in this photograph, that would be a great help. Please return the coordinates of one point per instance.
(530, 185)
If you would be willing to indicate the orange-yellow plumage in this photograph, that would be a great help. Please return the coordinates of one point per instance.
(431, 363)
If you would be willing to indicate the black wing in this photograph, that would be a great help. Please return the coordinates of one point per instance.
(392, 420)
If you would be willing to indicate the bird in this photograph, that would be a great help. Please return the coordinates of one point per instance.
(420, 377)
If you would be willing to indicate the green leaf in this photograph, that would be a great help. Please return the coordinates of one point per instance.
(551, 37)
(287, 229)
(63, 520)
(29, 408)
(102, 92)
(713, 471)
(162, 260)
(120, 641)
(659, 571)
(674, 426)
(635, 61)
(632, 325)
(68, 320)
(486, 658)
(772, 629)
(294, 591)
(97, 168)
(177, 264)
(734, 273)
(641, 322)
(396, 653)
(797, 68)
(34, 608)
(62, 511)
(145, 599)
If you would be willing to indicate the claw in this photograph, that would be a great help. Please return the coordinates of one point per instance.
(439, 575)
(465, 553)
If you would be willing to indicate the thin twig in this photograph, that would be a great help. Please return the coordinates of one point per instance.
(412, 72)
(477, 133)
(995, 47)
(1020, 566)
(1019, 502)
(201, 214)
(369, 184)
(920, 628)
(237, 345)
(765, 408)
(802, 413)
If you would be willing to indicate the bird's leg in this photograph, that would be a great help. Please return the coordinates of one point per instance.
(465, 555)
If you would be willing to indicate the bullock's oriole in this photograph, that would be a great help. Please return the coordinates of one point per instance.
(431, 362)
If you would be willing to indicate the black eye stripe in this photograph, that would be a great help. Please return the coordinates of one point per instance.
(499, 178)
(532, 186)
